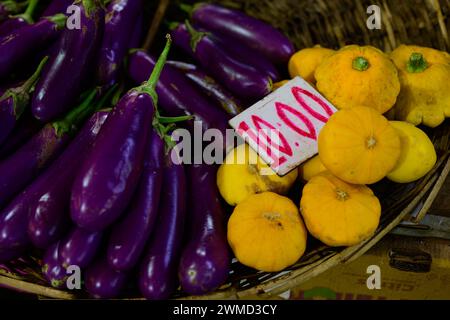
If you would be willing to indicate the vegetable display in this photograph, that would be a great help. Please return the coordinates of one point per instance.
(91, 176)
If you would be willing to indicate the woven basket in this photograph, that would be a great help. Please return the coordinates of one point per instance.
(331, 24)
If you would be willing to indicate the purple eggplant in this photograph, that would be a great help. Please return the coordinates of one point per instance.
(52, 268)
(49, 210)
(242, 80)
(79, 247)
(26, 127)
(19, 21)
(210, 87)
(205, 261)
(253, 33)
(120, 19)
(110, 173)
(158, 274)
(18, 45)
(102, 281)
(63, 78)
(14, 101)
(177, 95)
(136, 36)
(15, 217)
(57, 6)
(9, 7)
(125, 247)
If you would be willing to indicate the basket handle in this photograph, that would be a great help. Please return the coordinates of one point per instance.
(426, 205)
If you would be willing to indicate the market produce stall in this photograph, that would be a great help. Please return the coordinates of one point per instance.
(87, 183)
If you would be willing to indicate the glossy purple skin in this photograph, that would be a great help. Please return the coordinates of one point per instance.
(249, 57)
(12, 25)
(210, 87)
(8, 118)
(57, 6)
(205, 261)
(110, 173)
(27, 162)
(246, 30)
(177, 96)
(19, 44)
(120, 18)
(102, 281)
(52, 269)
(129, 236)
(79, 247)
(26, 127)
(49, 210)
(242, 80)
(158, 273)
(67, 70)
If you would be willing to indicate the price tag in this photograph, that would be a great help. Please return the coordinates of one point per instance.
(283, 128)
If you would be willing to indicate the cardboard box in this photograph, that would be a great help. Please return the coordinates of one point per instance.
(410, 268)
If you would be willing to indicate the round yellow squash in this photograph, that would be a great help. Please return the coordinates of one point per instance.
(266, 232)
(357, 76)
(338, 213)
(417, 156)
(305, 62)
(244, 173)
(359, 145)
(425, 85)
(311, 168)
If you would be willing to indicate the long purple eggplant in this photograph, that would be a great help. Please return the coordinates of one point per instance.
(210, 87)
(102, 281)
(158, 274)
(19, 21)
(128, 238)
(57, 6)
(49, 211)
(52, 267)
(20, 44)
(79, 247)
(253, 33)
(63, 78)
(26, 127)
(9, 7)
(177, 95)
(14, 101)
(205, 261)
(242, 80)
(111, 171)
(15, 217)
(120, 19)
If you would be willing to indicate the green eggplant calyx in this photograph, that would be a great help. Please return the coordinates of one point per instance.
(196, 36)
(71, 121)
(59, 19)
(28, 14)
(89, 6)
(186, 8)
(12, 6)
(21, 94)
(416, 63)
(360, 64)
(172, 25)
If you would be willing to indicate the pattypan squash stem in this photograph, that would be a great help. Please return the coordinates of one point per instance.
(416, 63)
(360, 64)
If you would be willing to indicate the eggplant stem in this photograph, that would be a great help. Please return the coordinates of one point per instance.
(196, 36)
(59, 19)
(172, 120)
(186, 8)
(28, 14)
(30, 82)
(77, 115)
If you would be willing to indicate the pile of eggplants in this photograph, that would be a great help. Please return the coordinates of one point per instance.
(88, 179)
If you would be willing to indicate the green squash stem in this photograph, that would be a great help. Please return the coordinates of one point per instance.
(416, 63)
(360, 64)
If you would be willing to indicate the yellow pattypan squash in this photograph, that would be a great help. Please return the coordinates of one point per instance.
(357, 76)
(266, 232)
(359, 145)
(311, 168)
(338, 213)
(425, 85)
(244, 173)
(305, 62)
(417, 156)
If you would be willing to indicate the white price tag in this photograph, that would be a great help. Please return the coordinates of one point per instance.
(283, 128)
